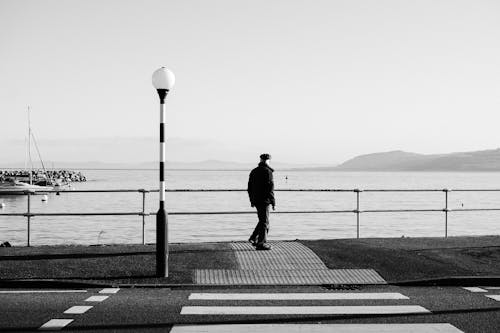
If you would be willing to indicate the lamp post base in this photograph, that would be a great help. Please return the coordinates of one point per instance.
(161, 243)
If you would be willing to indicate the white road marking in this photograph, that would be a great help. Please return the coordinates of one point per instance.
(475, 289)
(275, 310)
(294, 296)
(495, 297)
(78, 309)
(109, 291)
(40, 291)
(96, 298)
(55, 324)
(319, 328)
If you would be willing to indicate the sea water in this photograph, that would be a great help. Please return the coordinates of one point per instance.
(49, 230)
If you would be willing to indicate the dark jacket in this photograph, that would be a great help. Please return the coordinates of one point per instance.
(261, 185)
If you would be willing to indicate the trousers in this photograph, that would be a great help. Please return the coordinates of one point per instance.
(262, 227)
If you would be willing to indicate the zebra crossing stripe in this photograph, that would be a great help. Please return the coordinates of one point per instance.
(282, 310)
(78, 309)
(475, 289)
(495, 297)
(109, 291)
(40, 291)
(96, 298)
(295, 296)
(318, 328)
(55, 324)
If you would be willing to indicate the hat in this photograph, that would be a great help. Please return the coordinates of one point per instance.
(265, 157)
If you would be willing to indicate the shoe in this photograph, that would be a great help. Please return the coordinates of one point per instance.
(252, 241)
(263, 247)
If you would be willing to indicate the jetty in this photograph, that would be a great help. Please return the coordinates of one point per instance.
(39, 175)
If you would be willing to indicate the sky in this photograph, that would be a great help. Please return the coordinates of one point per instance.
(307, 81)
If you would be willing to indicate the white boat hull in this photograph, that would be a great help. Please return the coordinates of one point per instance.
(19, 188)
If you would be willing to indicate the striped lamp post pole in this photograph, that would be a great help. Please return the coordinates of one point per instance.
(163, 81)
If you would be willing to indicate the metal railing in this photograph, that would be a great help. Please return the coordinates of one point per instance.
(357, 211)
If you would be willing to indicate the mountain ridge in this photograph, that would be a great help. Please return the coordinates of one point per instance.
(395, 160)
(398, 160)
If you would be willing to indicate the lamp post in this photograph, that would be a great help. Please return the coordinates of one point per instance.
(163, 81)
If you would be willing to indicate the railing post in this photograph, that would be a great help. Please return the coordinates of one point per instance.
(143, 216)
(357, 212)
(28, 215)
(446, 212)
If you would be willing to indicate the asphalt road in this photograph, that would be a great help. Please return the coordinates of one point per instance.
(159, 309)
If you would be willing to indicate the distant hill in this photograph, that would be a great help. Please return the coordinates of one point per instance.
(484, 160)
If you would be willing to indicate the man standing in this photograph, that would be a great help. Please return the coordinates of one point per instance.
(261, 194)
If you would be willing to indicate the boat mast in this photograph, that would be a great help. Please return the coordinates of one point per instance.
(29, 146)
(26, 153)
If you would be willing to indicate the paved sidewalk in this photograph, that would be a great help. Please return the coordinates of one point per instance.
(395, 260)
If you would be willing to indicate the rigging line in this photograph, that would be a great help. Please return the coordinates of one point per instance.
(26, 153)
(40, 156)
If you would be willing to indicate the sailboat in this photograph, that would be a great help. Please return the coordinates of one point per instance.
(12, 185)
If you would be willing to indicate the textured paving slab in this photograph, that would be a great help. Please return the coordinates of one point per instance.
(288, 263)
(284, 255)
(287, 277)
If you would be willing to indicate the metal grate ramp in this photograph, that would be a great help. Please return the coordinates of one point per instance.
(288, 263)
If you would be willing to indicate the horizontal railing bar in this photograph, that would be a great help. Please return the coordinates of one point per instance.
(186, 190)
(244, 190)
(87, 191)
(315, 190)
(475, 190)
(429, 210)
(404, 190)
(336, 190)
(276, 190)
(314, 212)
(473, 209)
(400, 210)
(89, 214)
(178, 213)
(253, 212)
(73, 214)
(202, 190)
